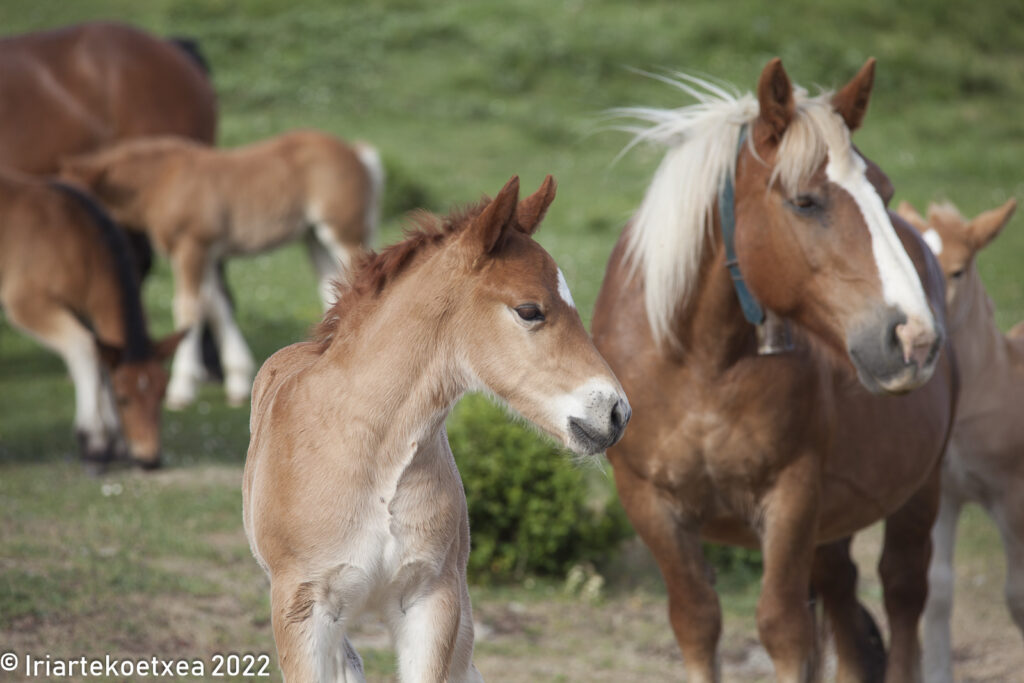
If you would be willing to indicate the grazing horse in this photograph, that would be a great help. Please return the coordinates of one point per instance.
(76, 89)
(67, 279)
(764, 221)
(351, 498)
(983, 461)
(200, 205)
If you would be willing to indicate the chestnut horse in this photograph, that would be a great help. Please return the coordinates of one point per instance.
(66, 279)
(983, 461)
(200, 205)
(351, 497)
(791, 449)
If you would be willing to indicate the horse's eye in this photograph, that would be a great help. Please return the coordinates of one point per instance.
(805, 202)
(530, 312)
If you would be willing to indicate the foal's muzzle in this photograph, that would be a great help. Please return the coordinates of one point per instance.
(894, 354)
(592, 435)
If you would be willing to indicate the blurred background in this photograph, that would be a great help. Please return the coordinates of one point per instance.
(458, 97)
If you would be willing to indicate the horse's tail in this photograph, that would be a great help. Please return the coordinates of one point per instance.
(190, 46)
(370, 158)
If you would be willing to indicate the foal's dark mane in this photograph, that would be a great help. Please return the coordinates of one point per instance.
(137, 345)
(374, 271)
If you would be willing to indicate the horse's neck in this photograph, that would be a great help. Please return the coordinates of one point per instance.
(981, 348)
(712, 329)
(396, 378)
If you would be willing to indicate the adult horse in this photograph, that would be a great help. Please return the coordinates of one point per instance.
(786, 450)
(351, 498)
(983, 461)
(67, 280)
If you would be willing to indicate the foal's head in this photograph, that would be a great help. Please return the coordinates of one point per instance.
(814, 240)
(955, 240)
(139, 385)
(506, 318)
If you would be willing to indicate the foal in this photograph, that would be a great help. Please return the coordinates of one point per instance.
(351, 498)
(199, 205)
(67, 279)
(983, 460)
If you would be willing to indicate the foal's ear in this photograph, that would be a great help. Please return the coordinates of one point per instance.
(165, 348)
(775, 97)
(486, 229)
(984, 227)
(531, 210)
(852, 101)
(907, 212)
(110, 355)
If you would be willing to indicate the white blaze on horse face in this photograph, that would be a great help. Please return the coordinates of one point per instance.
(901, 286)
(933, 240)
(563, 290)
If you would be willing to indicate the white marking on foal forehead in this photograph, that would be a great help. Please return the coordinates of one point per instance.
(563, 290)
(901, 286)
(933, 240)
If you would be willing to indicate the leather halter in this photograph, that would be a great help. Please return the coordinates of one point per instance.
(773, 333)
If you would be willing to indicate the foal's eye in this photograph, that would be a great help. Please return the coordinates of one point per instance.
(530, 312)
(958, 274)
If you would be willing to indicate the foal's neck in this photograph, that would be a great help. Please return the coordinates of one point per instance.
(397, 374)
(980, 345)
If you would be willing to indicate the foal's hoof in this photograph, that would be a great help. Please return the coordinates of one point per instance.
(179, 398)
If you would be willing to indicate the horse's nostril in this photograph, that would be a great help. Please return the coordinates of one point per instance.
(620, 414)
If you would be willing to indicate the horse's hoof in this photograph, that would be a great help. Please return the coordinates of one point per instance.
(148, 465)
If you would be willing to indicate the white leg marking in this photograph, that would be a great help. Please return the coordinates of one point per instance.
(421, 632)
(331, 259)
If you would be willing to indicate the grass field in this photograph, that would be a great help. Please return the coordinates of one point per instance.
(458, 97)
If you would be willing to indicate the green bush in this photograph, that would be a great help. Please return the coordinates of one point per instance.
(531, 510)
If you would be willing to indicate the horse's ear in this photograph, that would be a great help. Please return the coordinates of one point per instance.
(165, 348)
(852, 101)
(907, 212)
(984, 227)
(775, 97)
(110, 355)
(486, 229)
(531, 210)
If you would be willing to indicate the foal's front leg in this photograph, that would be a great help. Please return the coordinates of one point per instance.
(235, 357)
(784, 620)
(426, 632)
(188, 263)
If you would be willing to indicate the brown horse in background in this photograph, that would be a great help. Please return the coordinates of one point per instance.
(77, 89)
(200, 205)
(791, 449)
(66, 279)
(984, 462)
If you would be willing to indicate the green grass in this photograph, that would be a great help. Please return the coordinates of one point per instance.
(458, 96)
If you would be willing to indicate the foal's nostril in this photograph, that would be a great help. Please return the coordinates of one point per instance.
(620, 414)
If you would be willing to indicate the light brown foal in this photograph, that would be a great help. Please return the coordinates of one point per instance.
(351, 498)
(795, 447)
(67, 280)
(985, 459)
(199, 205)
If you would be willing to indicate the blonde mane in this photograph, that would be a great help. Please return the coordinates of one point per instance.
(673, 223)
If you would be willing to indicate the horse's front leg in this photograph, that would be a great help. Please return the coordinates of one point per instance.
(784, 620)
(904, 572)
(188, 262)
(426, 630)
(236, 359)
(694, 610)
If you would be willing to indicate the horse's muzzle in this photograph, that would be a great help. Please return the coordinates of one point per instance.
(894, 354)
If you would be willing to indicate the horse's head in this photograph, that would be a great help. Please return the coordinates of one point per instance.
(138, 387)
(815, 242)
(521, 335)
(955, 240)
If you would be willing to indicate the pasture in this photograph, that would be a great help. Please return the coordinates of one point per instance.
(459, 96)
